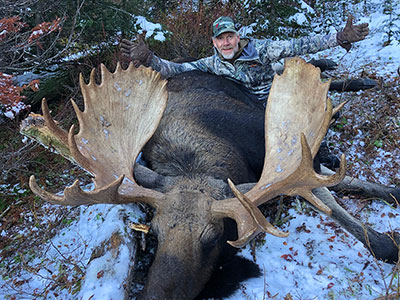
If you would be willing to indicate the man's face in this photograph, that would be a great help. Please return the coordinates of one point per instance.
(227, 44)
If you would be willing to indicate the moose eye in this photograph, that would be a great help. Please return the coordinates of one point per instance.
(209, 237)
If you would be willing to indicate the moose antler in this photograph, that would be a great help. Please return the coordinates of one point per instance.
(297, 117)
(110, 139)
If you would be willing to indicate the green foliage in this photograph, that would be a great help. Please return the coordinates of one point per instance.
(378, 143)
(94, 21)
(52, 86)
(67, 221)
(341, 123)
(3, 202)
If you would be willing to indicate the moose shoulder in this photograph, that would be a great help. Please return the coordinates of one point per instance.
(209, 135)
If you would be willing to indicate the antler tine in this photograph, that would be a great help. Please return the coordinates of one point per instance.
(84, 88)
(74, 195)
(307, 179)
(118, 68)
(112, 193)
(57, 131)
(338, 108)
(256, 214)
(246, 225)
(92, 80)
(78, 113)
(105, 74)
(314, 177)
(76, 154)
(45, 195)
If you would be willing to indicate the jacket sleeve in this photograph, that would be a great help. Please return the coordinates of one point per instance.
(169, 69)
(275, 50)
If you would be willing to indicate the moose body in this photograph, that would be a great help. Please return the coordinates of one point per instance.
(209, 132)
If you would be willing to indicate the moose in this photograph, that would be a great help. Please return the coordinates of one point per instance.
(212, 156)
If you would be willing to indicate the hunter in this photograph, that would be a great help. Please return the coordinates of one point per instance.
(245, 61)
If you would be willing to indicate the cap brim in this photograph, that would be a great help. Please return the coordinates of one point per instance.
(225, 30)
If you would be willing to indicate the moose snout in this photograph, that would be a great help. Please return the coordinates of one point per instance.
(172, 278)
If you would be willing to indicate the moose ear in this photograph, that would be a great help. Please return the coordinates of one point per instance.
(148, 178)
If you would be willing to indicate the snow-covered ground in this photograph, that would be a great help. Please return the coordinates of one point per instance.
(320, 261)
(317, 261)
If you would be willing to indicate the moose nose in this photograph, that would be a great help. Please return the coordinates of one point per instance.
(177, 285)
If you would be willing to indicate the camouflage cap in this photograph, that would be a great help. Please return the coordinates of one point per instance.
(223, 24)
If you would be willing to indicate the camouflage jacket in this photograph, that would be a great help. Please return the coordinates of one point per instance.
(252, 68)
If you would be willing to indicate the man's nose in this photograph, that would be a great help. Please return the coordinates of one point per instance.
(225, 41)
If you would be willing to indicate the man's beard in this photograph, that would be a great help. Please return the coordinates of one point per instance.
(231, 55)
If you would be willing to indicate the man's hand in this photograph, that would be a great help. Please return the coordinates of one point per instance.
(352, 33)
(137, 50)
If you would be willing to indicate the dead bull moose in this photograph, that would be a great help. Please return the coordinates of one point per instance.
(208, 135)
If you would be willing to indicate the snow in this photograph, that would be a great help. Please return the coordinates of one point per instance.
(150, 29)
(321, 263)
(306, 7)
(106, 273)
(14, 110)
(317, 261)
(371, 52)
(299, 18)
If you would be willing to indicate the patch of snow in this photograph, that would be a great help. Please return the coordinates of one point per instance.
(298, 18)
(307, 7)
(319, 261)
(105, 275)
(150, 28)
